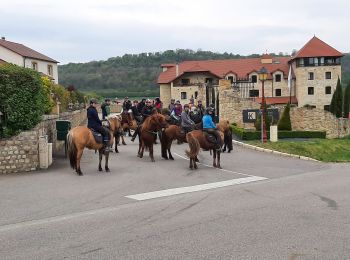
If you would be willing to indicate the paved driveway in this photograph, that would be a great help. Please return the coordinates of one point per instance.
(291, 208)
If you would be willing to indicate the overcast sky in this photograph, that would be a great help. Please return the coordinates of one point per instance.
(85, 30)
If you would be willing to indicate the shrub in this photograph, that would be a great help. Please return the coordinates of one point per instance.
(23, 98)
(284, 122)
(256, 135)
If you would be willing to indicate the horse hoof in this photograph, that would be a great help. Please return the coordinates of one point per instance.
(107, 170)
(196, 167)
(124, 143)
(100, 169)
(80, 173)
(214, 165)
(171, 158)
(116, 151)
(152, 160)
(165, 158)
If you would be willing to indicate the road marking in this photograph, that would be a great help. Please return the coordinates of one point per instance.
(188, 189)
(224, 170)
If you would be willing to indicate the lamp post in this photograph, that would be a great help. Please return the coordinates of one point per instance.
(263, 76)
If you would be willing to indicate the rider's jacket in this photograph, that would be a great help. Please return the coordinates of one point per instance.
(93, 119)
(186, 120)
(134, 110)
(208, 122)
(147, 111)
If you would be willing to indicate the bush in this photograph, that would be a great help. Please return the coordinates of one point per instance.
(256, 135)
(284, 122)
(23, 98)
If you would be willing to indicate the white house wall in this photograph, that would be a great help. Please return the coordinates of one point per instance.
(10, 56)
(42, 67)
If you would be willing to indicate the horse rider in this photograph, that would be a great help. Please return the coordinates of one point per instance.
(141, 105)
(210, 127)
(95, 123)
(135, 112)
(105, 108)
(147, 111)
(187, 123)
(126, 105)
(200, 108)
(171, 105)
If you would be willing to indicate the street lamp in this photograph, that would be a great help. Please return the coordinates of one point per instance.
(263, 76)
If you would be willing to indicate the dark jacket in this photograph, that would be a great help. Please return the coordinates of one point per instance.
(147, 111)
(105, 110)
(94, 121)
(127, 105)
(135, 111)
(140, 106)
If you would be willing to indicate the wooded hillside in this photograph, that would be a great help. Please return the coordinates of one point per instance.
(136, 74)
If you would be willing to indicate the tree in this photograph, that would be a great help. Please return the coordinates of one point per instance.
(284, 123)
(347, 101)
(336, 107)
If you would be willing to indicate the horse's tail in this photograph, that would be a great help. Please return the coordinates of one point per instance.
(72, 150)
(193, 145)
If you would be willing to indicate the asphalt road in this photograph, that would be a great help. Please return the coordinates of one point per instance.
(299, 211)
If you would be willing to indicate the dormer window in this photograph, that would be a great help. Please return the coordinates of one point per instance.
(254, 78)
(230, 78)
(278, 77)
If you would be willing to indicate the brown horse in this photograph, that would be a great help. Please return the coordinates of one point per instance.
(194, 150)
(173, 132)
(128, 123)
(80, 137)
(148, 133)
(200, 137)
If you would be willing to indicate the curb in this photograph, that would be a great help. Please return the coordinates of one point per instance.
(260, 149)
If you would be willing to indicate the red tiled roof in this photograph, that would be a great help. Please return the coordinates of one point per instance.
(317, 48)
(277, 100)
(25, 51)
(220, 68)
(166, 65)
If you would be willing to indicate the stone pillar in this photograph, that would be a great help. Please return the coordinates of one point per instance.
(273, 133)
(43, 152)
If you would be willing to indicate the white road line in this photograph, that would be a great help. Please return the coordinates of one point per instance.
(224, 170)
(201, 187)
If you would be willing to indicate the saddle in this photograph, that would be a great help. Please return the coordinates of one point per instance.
(210, 137)
(98, 137)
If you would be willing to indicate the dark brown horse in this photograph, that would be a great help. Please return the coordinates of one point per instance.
(173, 132)
(148, 133)
(200, 137)
(81, 137)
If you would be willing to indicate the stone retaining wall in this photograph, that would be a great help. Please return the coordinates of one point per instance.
(303, 119)
(21, 153)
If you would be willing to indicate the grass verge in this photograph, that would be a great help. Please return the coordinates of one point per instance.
(326, 150)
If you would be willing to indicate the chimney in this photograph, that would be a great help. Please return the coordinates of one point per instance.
(177, 69)
(3, 38)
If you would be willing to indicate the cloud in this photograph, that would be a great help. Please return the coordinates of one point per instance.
(77, 31)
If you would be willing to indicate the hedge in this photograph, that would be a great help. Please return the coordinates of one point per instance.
(256, 135)
(22, 98)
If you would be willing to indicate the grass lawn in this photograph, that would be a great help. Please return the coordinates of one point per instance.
(326, 150)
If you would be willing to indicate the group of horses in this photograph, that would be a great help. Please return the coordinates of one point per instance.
(81, 137)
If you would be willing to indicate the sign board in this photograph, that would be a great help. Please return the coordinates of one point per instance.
(250, 115)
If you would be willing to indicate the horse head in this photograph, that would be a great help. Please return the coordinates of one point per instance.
(159, 120)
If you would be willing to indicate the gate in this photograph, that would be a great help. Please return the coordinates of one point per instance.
(212, 98)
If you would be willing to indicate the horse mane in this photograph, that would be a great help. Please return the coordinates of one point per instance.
(151, 120)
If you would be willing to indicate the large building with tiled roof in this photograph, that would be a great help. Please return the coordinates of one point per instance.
(21, 55)
(307, 78)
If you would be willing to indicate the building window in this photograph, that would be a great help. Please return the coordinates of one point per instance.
(278, 78)
(328, 75)
(209, 80)
(254, 78)
(195, 94)
(185, 81)
(327, 107)
(278, 92)
(311, 76)
(328, 90)
(254, 93)
(49, 70)
(230, 78)
(34, 65)
(183, 95)
(310, 90)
